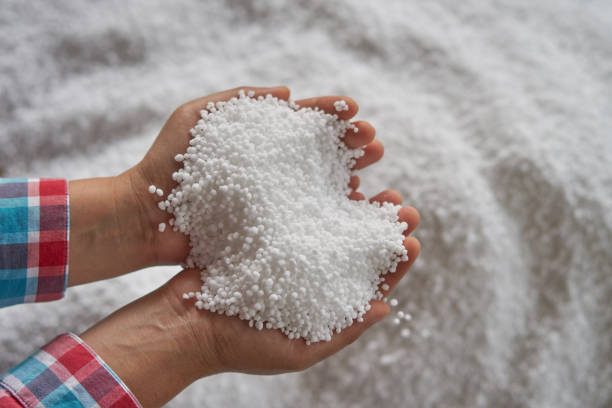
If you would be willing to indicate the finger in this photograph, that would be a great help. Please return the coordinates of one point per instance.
(281, 92)
(364, 135)
(413, 246)
(387, 196)
(410, 216)
(326, 104)
(354, 182)
(356, 195)
(187, 280)
(373, 152)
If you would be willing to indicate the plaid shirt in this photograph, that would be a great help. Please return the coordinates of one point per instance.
(33, 268)
(33, 240)
(64, 373)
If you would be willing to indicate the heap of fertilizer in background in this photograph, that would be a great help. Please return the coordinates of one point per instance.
(262, 195)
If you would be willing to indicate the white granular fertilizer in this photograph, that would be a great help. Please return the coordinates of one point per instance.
(263, 197)
(341, 105)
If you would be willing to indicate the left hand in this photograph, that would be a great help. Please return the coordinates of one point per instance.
(114, 221)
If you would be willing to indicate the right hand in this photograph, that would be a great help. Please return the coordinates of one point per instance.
(161, 343)
(229, 344)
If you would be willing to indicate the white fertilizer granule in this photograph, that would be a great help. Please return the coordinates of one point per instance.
(263, 197)
(341, 105)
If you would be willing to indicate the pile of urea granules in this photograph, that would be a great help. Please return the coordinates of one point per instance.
(262, 195)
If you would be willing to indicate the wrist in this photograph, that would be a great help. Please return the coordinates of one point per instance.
(107, 235)
(150, 345)
(168, 247)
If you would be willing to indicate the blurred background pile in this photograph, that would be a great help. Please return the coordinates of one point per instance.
(497, 122)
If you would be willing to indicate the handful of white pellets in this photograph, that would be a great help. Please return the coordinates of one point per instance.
(262, 195)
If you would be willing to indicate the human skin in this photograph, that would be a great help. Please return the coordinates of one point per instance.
(161, 343)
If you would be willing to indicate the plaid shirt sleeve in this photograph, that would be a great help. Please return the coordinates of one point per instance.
(33, 240)
(64, 373)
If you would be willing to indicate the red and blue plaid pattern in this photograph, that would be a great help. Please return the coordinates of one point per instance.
(64, 373)
(33, 240)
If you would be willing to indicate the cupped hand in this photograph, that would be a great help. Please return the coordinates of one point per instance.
(158, 164)
(229, 344)
(161, 343)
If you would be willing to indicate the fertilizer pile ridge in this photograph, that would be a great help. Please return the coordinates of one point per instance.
(262, 195)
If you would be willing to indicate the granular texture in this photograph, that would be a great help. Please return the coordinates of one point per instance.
(341, 105)
(262, 195)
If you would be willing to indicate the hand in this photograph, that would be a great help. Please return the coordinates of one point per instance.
(229, 344)
(161, 343)
(114, 220)
(159, 164)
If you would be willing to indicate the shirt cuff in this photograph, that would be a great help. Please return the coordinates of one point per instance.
(34, 232)
(66, 372)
